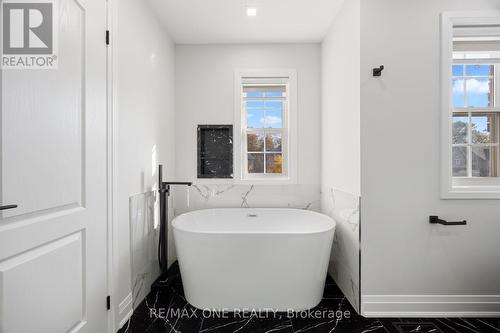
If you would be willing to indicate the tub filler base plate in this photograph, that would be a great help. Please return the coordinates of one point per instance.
(162, 283)
(165, 281)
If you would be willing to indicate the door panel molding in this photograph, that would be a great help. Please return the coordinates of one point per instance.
(45, 284)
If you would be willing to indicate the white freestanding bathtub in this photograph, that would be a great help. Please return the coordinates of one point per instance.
(266, 258)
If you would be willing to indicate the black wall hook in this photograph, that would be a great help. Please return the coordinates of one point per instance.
(378, 71)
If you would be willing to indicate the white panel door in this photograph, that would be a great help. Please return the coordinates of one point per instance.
(53, 166)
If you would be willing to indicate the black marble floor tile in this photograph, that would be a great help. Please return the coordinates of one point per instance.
(334, 315)
(425, 327)
(332, 291)
(465, 325)
(248, 325)
(169, 312)
(444, 325)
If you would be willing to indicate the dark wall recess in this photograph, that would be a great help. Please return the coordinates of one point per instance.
(215, 151)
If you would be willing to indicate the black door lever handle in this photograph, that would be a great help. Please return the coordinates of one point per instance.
(437, 220)
(8, 207)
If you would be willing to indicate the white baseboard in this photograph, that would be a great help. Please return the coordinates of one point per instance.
(430, 306)
(125, 310)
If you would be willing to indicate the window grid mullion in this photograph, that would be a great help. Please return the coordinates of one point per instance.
(496, 84)
(265, 167)
(466, 101)
(469, 146)
(265, 147)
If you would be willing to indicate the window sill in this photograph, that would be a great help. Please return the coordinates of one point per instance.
(270, 181)
(255, 181)
(473, 188)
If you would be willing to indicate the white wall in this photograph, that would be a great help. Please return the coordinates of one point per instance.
(340, 144)
(340, 114)
(401, 253)
(205, 95)
(144, 120)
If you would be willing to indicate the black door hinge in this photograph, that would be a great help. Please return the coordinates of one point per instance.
(107, 37)
(108, 302)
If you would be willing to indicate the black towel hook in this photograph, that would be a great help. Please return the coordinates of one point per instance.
(378, 71)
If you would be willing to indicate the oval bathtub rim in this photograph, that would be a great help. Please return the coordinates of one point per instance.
(331, 229)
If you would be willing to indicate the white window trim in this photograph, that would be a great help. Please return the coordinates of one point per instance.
(459, 188)
(291, 153)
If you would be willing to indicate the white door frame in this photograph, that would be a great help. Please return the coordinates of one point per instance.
(112, 87)
(110, 166)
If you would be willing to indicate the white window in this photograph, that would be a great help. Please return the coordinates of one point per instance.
(471, 105)
(475, 124)
(265, 119)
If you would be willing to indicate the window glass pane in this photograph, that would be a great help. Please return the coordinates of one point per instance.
(458, 70)
(274, 105)
(274, 163)
(255, 142)
(275, 94)
(458, 93)
(460, 131)
(484, 161)
(273, 142)
(459, 161)
(255, 163)
(255, 104)
(264, 89)
(273, 119)
(479, 93)
(255, 118)
(484, 128)
(479, 70)
(254, 94)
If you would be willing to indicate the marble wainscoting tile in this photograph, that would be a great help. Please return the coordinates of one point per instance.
(344, 260)
(143, 242)
(203, 196)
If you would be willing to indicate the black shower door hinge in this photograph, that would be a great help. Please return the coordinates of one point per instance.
(107, 37)
(108, 302)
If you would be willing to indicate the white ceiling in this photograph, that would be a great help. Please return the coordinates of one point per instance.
(225, 21)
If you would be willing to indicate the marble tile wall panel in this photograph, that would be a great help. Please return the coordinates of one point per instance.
(143, 244)
(203, 196)
(344, 265)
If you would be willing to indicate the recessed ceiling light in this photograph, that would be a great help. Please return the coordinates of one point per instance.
(251, 11)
